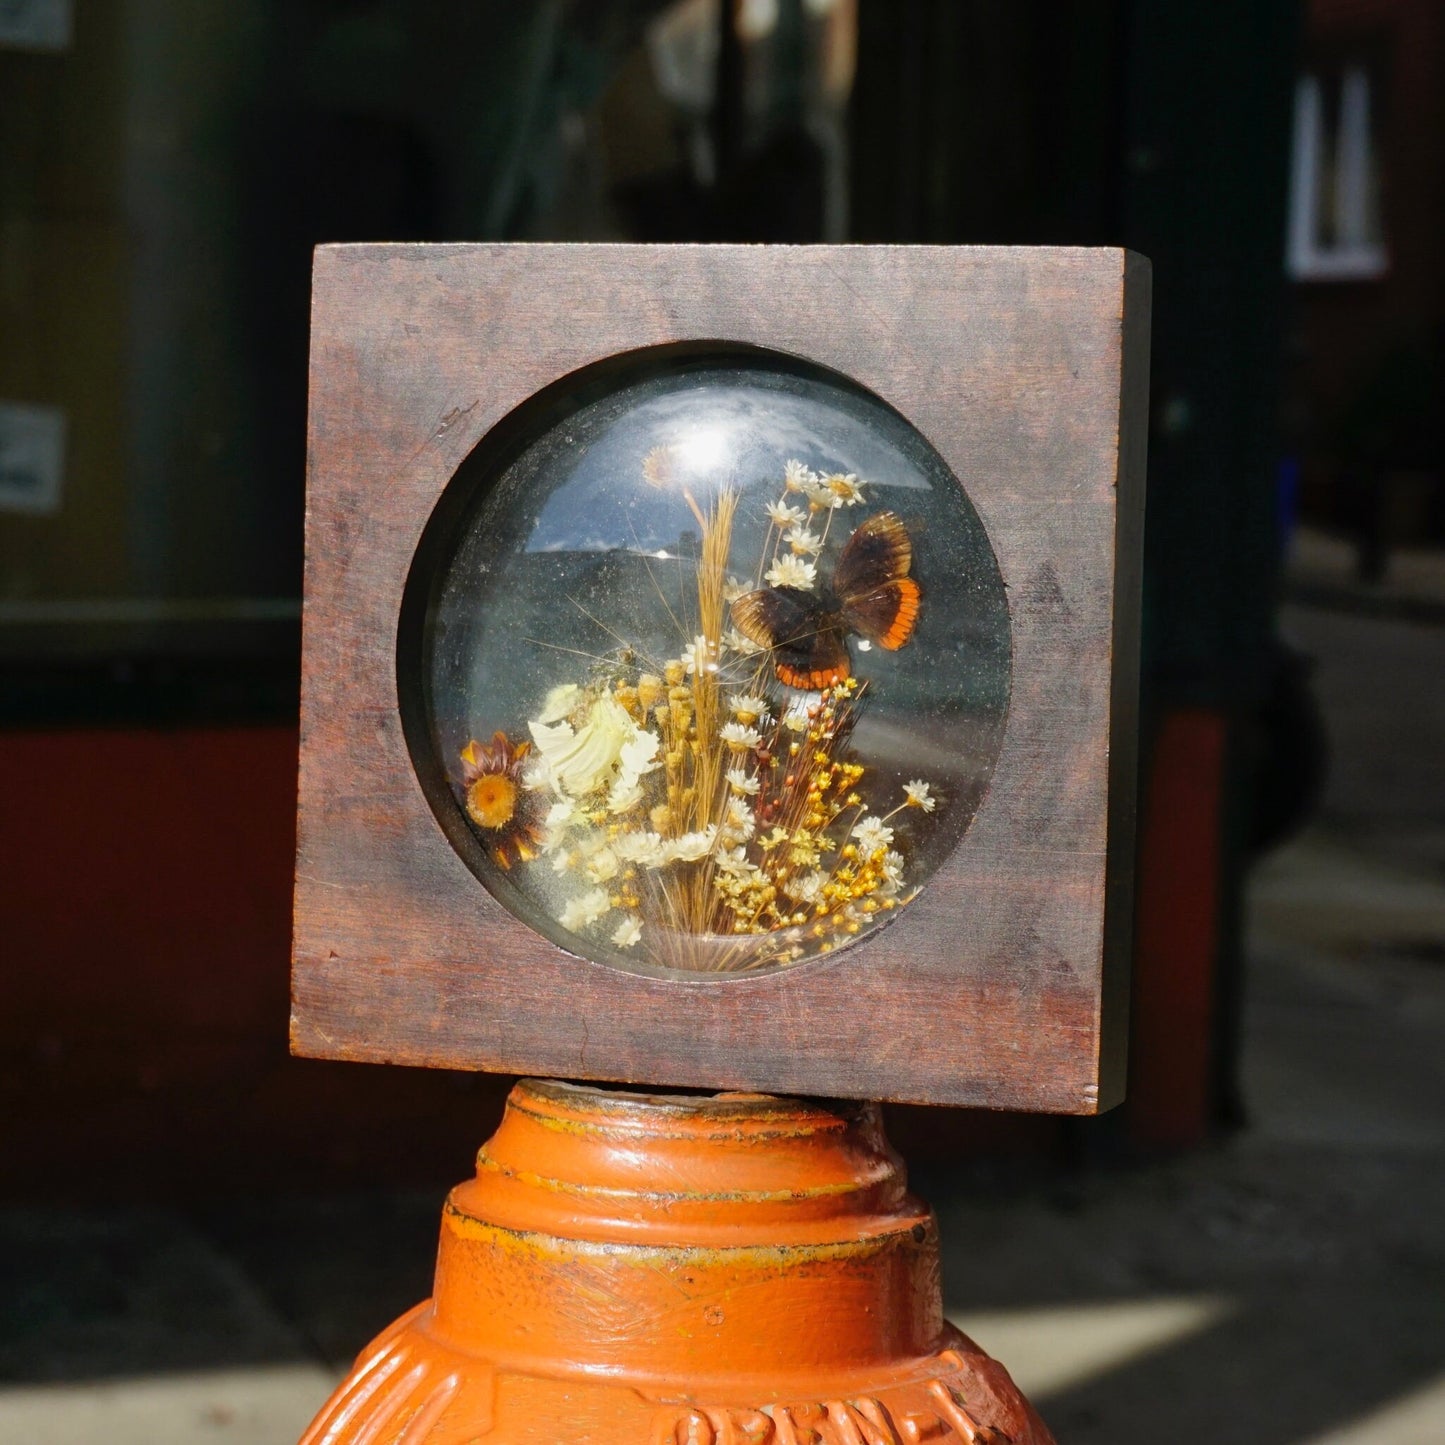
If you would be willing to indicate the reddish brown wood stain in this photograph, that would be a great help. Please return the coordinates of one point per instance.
(668, 1271)
(1002, 986)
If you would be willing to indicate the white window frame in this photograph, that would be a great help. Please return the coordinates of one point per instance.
(1351, 255)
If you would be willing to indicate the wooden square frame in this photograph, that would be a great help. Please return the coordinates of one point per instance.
(1005, 983)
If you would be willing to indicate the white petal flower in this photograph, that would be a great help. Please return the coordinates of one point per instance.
(893, 869)
(565, 814)
(625, 793)
(790, 571)
(820, 495)
(919, 796)
(627, 933)
(796, 718)
(580, 912)
(738, 822)
(738, 737)
(559, 703)
(644, 848)
(580, 762)
(872, 834)
(796, 476)
(692, 846)
(781, 515)
(699, 653)
(805, 543)
(845, 487)
(809, 887)
(601, 866)
(733, 589)
(739, 782)
(733, 862)
(748, 707)
(734, 641)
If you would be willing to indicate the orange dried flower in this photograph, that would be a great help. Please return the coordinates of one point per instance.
(508, 815)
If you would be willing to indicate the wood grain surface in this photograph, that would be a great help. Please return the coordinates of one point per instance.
(1005, 984)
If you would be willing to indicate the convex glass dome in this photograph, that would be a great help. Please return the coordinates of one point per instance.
(707, 663)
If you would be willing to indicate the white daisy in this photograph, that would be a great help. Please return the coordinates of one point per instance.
(748, 707)
(601, 866)
(738, 737)
(734, 641)
(796, 718)
(739, 782)
(808, 888)
(805, 543)
(587, 909)
(733, 861)
(645, 848)
(780, 514)
(692, 846)
(699, 654)
(872, 834)
(893, 869)
(790, 571)
(738, 822)
(919, 796)
(796, 476)
(627, 933)
(846, 488)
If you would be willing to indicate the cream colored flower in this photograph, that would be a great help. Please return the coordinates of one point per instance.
(780, 514)
(699, 655)
(583, 911)
(872, 834)
(627, 933)
(644, 848)
(796, 719)
(808, 887)
(738, 737)
(692, 846)
(796, 476)
(748, 707)
(846, 488)
(581, 761)
(734, 641)
(738, 821)
(804, 542)
(601, 866)
(739, 782)
(559, 703)
(790, 571)
(733, 862)
(659, 466)
(919, 796)
(892, 870)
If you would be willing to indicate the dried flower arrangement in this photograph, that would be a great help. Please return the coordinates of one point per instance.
(706, 810)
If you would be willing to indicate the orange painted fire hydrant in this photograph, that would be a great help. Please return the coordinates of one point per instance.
(728, 1269)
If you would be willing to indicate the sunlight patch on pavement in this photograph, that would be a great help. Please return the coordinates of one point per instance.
(262, 1405)
(1049, 1348)
(1415, 1419)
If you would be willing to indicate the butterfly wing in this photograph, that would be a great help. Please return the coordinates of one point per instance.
(806, 642)
(879, 550)
(887, 615)
(879, 600)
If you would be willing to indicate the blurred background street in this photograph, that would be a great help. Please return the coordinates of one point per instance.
(197, 1232)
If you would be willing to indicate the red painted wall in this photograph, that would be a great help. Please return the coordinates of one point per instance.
(145, 925)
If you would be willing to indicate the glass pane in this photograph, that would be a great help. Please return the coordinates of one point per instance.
(714, 664)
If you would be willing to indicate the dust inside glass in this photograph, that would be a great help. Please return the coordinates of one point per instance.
(714, 666)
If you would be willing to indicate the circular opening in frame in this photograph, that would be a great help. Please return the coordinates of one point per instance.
(704, 662)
